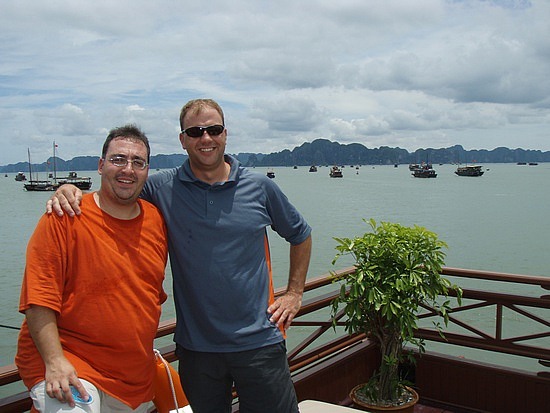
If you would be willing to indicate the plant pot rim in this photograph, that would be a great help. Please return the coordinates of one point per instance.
(375, 407)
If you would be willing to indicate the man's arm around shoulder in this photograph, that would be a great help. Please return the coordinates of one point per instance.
(67, 198)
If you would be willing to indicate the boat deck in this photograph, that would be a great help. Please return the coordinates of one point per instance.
(325, 369)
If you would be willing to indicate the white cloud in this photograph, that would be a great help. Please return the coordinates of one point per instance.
(427, 73)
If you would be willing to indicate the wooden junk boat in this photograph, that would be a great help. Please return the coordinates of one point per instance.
(53, 182)
(336, 172)
(328, 363)
(424, 171)
(82, 182)
(469, 170)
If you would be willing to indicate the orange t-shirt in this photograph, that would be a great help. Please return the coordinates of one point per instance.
(103, 276)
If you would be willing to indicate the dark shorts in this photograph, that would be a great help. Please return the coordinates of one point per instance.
(261, 378)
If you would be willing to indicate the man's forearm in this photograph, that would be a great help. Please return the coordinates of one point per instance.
(42, 322)
(300, 255)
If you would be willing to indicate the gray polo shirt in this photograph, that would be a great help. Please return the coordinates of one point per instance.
(217, 242)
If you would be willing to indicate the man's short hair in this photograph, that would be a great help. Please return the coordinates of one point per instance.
(127, 131)
(197, 106)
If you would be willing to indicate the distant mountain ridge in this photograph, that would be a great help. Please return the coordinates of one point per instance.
(322, 152)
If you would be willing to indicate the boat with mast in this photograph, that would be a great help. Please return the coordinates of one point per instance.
(53, 182)
(36, 184)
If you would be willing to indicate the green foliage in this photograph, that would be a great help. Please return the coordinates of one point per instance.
(397, 269)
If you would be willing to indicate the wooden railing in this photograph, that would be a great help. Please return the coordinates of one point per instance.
(322, 341)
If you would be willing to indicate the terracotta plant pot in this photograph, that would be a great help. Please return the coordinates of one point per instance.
(404, 408)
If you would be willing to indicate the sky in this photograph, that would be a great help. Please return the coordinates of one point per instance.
(399, 73)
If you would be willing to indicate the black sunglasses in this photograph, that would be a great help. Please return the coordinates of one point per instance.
(198, 131)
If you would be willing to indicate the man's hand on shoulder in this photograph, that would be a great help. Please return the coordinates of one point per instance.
(67, 199)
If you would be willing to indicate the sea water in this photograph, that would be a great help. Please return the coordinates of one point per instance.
(497, 222)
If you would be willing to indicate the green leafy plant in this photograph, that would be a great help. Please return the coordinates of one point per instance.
(397, 269)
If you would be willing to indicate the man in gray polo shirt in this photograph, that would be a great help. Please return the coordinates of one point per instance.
(229, 329)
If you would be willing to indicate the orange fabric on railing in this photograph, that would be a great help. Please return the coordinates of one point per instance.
(164, 399)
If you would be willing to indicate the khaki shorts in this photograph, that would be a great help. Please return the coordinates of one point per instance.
(102, 402)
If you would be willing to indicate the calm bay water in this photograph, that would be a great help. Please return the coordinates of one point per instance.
(496, 222)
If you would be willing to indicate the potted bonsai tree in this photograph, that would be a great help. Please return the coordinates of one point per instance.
(397, 269)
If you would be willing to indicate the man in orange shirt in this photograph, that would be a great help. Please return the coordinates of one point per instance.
(92, 297)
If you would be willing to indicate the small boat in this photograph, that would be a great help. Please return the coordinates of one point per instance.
(336, 172)
(33, 185)
(270, 174)
(20, 176)
(83, 183)
(295, 167)
(469, 170)
(424, 171)
(53, 182)
(312, 168)
(47, 185)
(521, 163)
(533, 163)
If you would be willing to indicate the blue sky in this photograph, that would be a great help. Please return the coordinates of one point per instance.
(409, 74)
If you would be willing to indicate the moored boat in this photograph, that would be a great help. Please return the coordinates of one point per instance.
(49, 184)
(35, 185)
(81, 182)
(312, 168)
(270, 174)
(20, 177)
(336, 172)
(53, 182)
(469, 170)
(424, 171)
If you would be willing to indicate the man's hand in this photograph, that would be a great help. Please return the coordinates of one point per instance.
(60, 374)
(67, 199)
(285, 308)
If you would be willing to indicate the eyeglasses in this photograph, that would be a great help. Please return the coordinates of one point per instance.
(121, 162)
(198, 131)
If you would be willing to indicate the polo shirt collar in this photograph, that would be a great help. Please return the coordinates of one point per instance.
(186, 174)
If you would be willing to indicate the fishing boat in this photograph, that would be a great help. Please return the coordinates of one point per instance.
(20, 177)
(270, 173)
(328, 362)
(469, 170)
(48, 184)
(336, 172)
(36, 185)
(81, 182)
(53, 182)
(424, 171)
